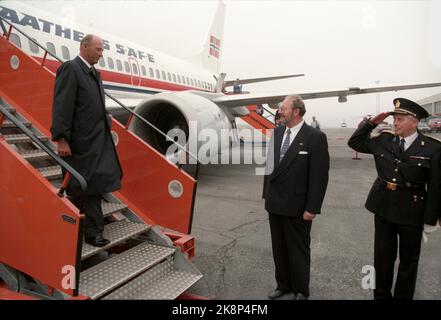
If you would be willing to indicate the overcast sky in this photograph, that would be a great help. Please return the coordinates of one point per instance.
(337, 44)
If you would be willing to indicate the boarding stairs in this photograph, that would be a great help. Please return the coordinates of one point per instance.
(41, 232)
(259, 122)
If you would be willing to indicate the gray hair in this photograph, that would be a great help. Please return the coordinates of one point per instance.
(297, 103)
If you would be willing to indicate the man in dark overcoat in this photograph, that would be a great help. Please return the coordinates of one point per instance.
(81, 129)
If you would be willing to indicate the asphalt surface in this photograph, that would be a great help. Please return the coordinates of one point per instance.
(233, 246)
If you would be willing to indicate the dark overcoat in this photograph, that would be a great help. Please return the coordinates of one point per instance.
(79, 116)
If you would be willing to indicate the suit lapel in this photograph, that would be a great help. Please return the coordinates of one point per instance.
(396, 147)
(293, 150)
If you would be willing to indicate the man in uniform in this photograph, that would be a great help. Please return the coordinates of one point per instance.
(405, 195)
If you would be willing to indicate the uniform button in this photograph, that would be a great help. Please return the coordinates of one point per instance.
(394, 179)
(396, 170)
(419, 164)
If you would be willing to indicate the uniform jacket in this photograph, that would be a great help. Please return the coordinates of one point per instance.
(79, 116)
(417, 170)
(299, 182)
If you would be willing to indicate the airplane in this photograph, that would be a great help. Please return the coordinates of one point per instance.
(168, 92)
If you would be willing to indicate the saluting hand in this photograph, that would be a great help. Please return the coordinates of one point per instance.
(63, 148)
(308, 216)
(379, 118)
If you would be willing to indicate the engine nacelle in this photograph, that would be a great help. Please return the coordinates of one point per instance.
(203, 123)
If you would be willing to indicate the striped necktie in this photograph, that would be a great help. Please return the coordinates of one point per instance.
(285, 145)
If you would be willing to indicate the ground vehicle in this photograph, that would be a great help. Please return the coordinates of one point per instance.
(423, 127)
(435, 124)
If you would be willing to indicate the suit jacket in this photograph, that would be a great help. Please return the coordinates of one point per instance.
(79, 116)
(417, 170)
(299, 181)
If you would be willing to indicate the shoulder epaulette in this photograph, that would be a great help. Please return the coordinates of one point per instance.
(388, 131)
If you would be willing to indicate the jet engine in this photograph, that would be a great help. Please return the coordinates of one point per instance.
(192, 120)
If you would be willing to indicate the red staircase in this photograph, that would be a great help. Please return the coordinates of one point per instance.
(258, 122)
(41, 232)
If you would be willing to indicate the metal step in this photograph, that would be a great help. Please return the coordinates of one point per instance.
(9, 124)
(160, 282)
(51, 173)
(110, 274)
(116, 232)
(10, 109)
(111, 207)
(21, 138)
(36, 154)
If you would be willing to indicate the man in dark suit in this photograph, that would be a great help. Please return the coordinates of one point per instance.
(404, 196)
(81, 129)
(294, 188)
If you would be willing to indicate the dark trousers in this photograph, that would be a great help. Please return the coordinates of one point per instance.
(290, 238)
(94, 224)
(385, 254)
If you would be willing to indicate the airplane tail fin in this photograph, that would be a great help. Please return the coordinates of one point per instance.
(211, 54)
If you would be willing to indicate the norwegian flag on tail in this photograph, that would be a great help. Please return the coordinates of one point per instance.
(214, 47)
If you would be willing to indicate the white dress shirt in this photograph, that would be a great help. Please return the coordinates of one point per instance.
(84, 60)
(409, 140)
(294, 130)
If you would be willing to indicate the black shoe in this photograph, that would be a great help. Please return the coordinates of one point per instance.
(97, 241)
(276, 293)
(300, 296)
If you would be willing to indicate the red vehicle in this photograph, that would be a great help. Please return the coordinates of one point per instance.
(435, 124)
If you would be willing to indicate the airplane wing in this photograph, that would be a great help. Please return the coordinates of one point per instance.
(232, 101)
(230, 83)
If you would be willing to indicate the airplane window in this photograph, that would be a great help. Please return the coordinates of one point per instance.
(191, 81)
(135, 69)
(199, 84)
(110, 63)
(157, 74)
(183, 80)
(65, 52)
(126, 67)
(179, 78)
(33, 47)
(188, 81)
(101, 62)
(174, 77)
(169, 76)
(163, 75)
(143, 71)
(15, 39)
(151, 73)
(118, 65)
(51, 48)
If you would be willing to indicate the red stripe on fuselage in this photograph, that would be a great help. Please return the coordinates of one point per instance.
(122, 78)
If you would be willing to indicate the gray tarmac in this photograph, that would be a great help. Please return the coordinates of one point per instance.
(233, 245)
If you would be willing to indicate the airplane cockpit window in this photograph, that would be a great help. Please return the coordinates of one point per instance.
(101, 62)
(110, 63)
(169, 76)
(135, 69)
(51, 48)
(151, 73)
(15, 39)
(33, 47)
(157, 74)
(118, 65)
(174, 77)
(126, 67)
(144, 73)
(65, 52)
